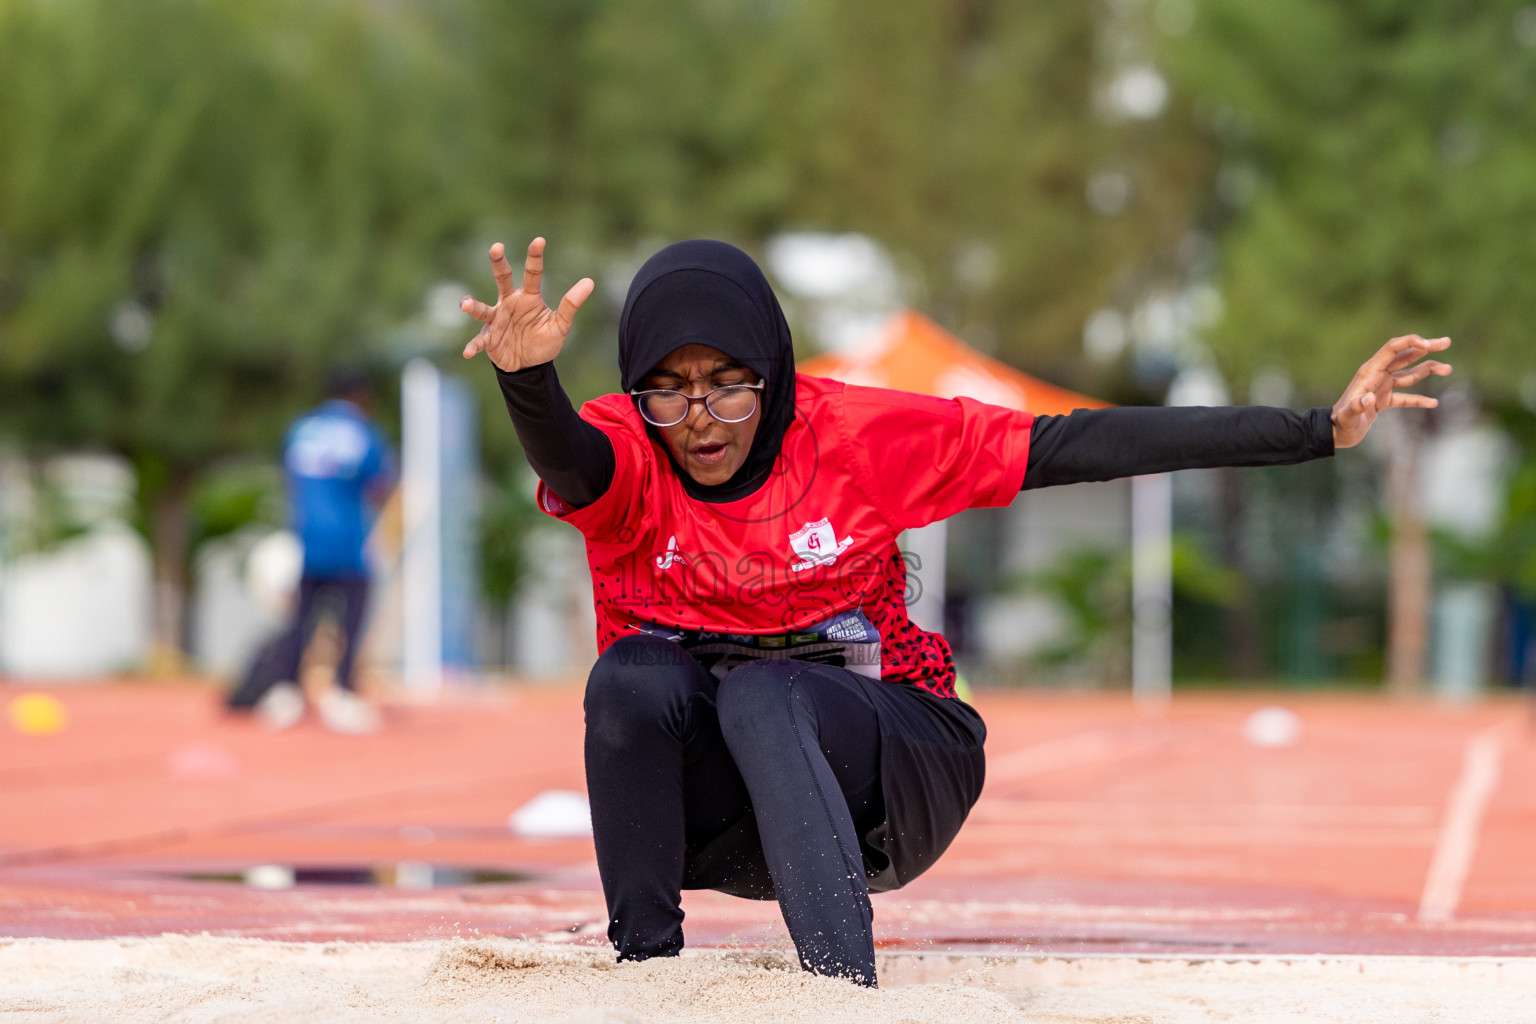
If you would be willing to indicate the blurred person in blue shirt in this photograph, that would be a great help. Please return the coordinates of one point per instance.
(340, 470)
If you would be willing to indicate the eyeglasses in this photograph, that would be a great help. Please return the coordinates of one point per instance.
(730, 404)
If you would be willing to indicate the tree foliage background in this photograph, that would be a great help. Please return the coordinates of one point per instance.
(1376, 175)
(203, 205)
(206, 203)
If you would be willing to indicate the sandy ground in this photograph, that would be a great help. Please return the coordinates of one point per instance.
(208, 979)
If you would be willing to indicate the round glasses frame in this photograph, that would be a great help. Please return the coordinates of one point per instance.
(708, 400)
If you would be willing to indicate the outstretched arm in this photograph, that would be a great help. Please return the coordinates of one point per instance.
(522, 336)
(1104, 444)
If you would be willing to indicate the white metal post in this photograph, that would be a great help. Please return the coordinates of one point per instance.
(1151, 591)
(421, 642)
(928, 543)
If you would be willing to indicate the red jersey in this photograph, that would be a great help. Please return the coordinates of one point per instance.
(798, 559)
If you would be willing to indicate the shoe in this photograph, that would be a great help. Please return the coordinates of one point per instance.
(345, 712)
(281, 707)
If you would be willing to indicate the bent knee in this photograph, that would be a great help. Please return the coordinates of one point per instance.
(640, 679)
(756, 697)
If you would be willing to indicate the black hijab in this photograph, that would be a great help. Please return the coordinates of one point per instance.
(711, 293)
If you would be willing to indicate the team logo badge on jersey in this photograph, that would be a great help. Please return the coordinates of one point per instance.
(817, 544)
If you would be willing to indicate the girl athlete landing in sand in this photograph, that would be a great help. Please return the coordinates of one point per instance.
(763, 718)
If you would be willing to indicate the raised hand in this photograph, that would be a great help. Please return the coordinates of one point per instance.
(1376, 382)
(520, 330)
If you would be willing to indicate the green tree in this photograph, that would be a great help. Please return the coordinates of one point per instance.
(1373, 178)
(961, 135)
(203, 204)
(965, 136)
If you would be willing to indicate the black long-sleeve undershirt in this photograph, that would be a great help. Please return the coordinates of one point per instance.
(1105, 444)
(571, 456)
(575, 459)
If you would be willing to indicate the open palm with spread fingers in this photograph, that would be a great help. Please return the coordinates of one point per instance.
(520, 330)
(1395, 365)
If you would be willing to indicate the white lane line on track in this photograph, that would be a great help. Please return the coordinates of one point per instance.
(1457, 843)
(1077, 751)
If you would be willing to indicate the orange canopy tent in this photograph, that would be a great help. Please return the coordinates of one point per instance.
(912, 353)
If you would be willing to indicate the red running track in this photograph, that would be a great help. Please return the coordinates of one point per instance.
(1100, 830)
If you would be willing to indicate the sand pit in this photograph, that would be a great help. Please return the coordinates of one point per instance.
(208, 979)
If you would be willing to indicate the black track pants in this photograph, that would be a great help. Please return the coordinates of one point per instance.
(760, 785)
